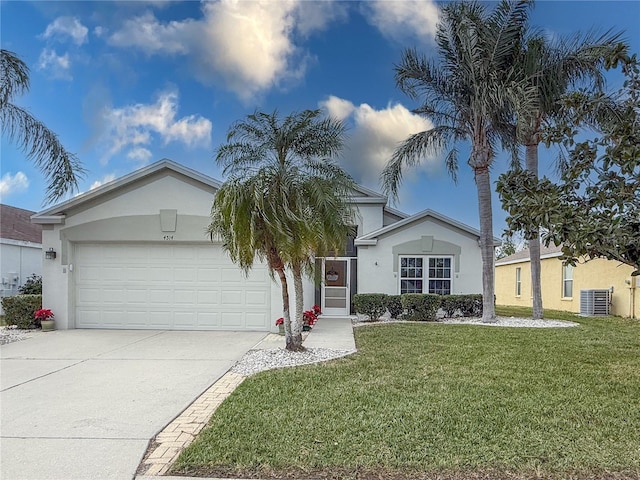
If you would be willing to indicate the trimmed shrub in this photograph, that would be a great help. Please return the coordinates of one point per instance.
(371, 304)
(394, 305)
(19, 310)
(421, 306)
(462, 305)
(33, 286)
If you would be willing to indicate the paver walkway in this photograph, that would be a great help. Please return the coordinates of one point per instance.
(334, 333)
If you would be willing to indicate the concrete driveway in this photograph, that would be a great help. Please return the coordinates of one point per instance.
(83, 404)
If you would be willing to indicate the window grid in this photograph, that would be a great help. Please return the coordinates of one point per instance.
(518, 281)
(437, 278)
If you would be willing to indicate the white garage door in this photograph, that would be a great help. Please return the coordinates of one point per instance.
(159, 286)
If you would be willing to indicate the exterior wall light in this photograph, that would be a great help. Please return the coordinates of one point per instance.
(50, 254)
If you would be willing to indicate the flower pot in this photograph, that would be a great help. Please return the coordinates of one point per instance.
(281, 329)
(306, 328)
(48, 325)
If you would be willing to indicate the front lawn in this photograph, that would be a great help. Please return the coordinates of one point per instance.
(440, 401)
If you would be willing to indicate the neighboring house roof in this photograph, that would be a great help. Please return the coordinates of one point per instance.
(15, 225)
(372, 238)
(523, 255)
(56, 213)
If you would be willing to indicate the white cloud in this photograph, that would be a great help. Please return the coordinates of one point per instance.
(249, 46)
(402, 20)
(375, 135)
(135, 126)
(140, 154)
(106, 179)
(57, 65)
(67, 27)
(13, 183)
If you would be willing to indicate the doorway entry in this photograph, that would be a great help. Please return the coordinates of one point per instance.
(336, 295)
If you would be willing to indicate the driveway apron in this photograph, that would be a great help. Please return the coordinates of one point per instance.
(83, 404)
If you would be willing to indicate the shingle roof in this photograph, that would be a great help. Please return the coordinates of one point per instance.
(15, 224)
(523, 255)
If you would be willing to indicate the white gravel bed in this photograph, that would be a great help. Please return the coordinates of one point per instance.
(500, 322)
(12, 334)
(513, 322)
(256, 361)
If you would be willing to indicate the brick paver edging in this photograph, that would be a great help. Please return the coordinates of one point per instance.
(167, 445)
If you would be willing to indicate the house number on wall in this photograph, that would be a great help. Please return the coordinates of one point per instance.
(168, 237)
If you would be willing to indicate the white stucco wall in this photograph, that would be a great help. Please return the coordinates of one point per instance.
(378, 274)
(369, 217)
(18, 261)
(133, 211)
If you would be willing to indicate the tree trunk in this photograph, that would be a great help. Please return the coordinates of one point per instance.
(285, 308)
(483, 185)
(534, 240)
(296, 324)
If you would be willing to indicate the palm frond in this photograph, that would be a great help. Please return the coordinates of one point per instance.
(61, 168)
(14, 77)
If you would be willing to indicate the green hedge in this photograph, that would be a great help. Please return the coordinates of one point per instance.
(394, 305)
(421, 306)
(371, 304)
(19, 310)
(462, 305)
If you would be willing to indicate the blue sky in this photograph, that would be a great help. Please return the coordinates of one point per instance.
(125, 84)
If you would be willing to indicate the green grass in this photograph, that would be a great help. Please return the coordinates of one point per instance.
(452, 401)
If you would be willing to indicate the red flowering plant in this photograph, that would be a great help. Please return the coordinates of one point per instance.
(43, 314)
(309, 317)
(279, 322)
(316, 310)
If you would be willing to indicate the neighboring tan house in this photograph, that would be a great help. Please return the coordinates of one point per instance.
(20, 249)
(134, 253)
(562, 284)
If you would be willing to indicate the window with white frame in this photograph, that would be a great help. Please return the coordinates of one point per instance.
(567, 281)
(518, 281)
(425, 275)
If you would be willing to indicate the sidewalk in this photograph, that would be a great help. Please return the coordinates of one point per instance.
(330, 332)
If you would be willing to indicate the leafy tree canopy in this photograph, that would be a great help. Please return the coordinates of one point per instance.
(594, 211)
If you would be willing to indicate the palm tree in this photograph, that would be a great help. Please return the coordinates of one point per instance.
(240, 218)
(61, 168)
(551, 69)
(284, 178)
(469, 96)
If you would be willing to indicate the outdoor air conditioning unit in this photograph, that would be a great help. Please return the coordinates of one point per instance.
(594, 302)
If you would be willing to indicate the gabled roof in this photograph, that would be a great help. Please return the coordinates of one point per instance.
(372, 238)
(365, 195)
(523, 255)
(55, 214)
(15, 225)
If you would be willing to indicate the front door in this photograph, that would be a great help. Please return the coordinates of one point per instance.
(335, 286)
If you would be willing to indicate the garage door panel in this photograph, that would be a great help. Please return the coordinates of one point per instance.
(256, 297)
(113, 295)
(136, 274)
(167, 287)
(255, 319)
(207, 274)
(208, 319)
(232, 297)
(231, 320)
(208, 297)
(185, 296)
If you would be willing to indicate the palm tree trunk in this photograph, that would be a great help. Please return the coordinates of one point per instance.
(483, 185)
(531, 158)
(285, 307)
(296, 324)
